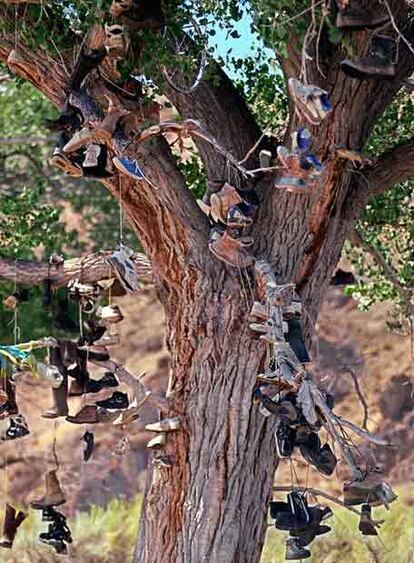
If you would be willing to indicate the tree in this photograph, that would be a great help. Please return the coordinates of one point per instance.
(212, 504)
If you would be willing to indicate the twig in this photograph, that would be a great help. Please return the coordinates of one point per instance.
(319, 493)
(360, 396)
(190, 127)
(362, 433)
(400, 34)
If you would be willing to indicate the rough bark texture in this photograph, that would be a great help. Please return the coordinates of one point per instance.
(211, 505)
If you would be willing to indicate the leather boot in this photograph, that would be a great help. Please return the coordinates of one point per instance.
(366, 525)
(353, 18)
(379, 64)
(222, 201)
(53, 495)
(11, 525)
(87, 415)
(230, 250)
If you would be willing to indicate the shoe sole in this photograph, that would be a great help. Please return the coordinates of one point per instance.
(353, 70)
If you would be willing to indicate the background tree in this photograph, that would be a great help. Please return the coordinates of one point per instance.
(212, 504)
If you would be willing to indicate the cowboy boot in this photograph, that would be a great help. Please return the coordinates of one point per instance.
(11, 525)
(53, 496)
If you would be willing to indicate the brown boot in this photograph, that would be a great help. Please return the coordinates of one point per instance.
(87, 415)
(53, 495)
(11, 525)
(232, 251)
(222, 201)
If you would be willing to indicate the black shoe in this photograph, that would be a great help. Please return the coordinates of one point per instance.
(285, 439)
(366, 525)
(92, 332)
(295, 551)
(89, 441)
(58, 531)
(295, 339)
(118, 400)
(276, 507)
(342, 277)
(353, 19)
(379, 65)
(108, 380)
(310, 448)
(325, 461)
(58, 545)
(100, 169)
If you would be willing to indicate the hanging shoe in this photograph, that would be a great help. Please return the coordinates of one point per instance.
(378, 65)
(81, 138)
(53, 496)
(107, 381)
(87, 415)
(158, 441)
(284, 438)
(13, 427)
(236, 219)
(276, 507)
(294, 551)
(69, 166)
(92, 331)
(117, 40)
(309, 447)
(230, 250)
(163, 461)
(165, 425)
(124, 268)
(118, 7)
(58, 545)
(354, 18)
(95, 162)
(326, 461)
(128, 167)
(311, 102)
(301, 140)
(116, 401)
(366, 524)
(222, 201)
(297, 517)
(58, 532)
(259, 311)
(295, 339)
(88, 440)
(11, 525)
(50, 373)
(111, 314)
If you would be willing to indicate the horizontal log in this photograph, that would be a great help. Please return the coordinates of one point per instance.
(88, 269)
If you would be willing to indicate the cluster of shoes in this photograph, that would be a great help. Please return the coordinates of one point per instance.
(58, 534)
(69, 360)
(158, 443)
(84, 150)
(231, 213)
(301, 168)
(303, 523)
(380, 62)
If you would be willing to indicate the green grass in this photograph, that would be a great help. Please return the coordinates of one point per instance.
(102, 535)
(107, 535)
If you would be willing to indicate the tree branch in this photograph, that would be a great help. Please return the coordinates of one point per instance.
(218, 106)
(393, 167)
(88, 269)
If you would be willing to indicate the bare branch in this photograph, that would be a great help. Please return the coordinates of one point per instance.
(88, 269)
(361, 397)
